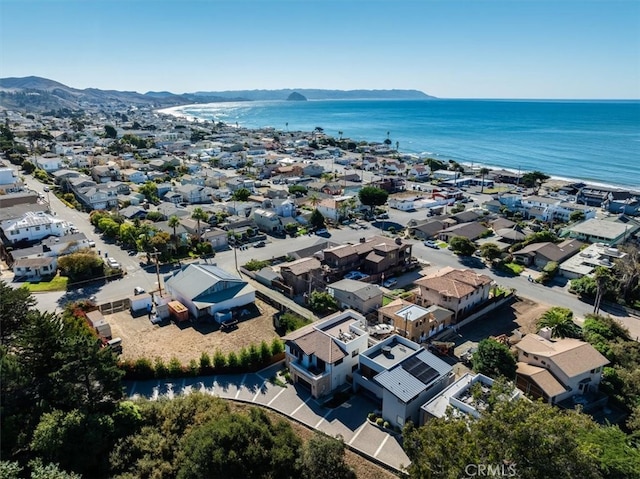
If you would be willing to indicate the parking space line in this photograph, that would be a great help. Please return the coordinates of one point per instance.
(300, 407)
(323, 418)
(133, 388)
(240, 386)
(384, 441)
(275, 397)
(355, 436)
(259, 390)
(184, 381)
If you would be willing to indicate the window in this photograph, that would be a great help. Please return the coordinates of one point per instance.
(354, 368)
(535, 357)
(526, 355)
(355, 353)
(37, 228)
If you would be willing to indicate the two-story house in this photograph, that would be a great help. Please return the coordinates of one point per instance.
(401, 376)
(302, 275)
(267, 220)
(33, 226)
(323, 356)
(458, 290)
(415, 322)
(356, 295)
(134, 176)
(557, 370)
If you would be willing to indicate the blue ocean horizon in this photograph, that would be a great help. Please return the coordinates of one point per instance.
(595, 141)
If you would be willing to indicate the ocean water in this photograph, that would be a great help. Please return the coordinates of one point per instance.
(593, 141)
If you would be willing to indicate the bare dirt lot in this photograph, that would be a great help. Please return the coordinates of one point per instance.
(141, 338)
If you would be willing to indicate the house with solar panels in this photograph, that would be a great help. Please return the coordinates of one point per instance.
(401, 375)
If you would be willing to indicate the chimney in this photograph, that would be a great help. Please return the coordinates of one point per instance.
(545, 333)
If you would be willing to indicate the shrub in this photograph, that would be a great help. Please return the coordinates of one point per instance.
(379, 421)
(194, 369)
(386, 425)
(254, 355)
(161, 370)
(276, 346)
(371, 416)
(244, 358)
(205, 361)
(232, 360)
(143, 368)
(255, 265)
(175, 367)
(219, 360)
(265, 352)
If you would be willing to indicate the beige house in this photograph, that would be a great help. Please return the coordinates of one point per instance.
(558, 370)
(358, 295)
(458, 290)
(415, 322)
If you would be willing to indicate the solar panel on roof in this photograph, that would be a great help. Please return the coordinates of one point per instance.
(420, 370)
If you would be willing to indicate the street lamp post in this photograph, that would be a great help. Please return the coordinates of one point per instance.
(47, 190)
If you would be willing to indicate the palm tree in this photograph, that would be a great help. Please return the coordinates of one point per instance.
(603, 279)
(314, 200)
(198, 215)
(174, 221)
(560, 321)
(483, 172)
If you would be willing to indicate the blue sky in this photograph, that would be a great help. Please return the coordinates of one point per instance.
(447, 48)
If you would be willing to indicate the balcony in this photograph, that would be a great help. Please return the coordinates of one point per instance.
(313, 372)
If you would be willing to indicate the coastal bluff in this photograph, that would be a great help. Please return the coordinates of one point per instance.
(295, 96)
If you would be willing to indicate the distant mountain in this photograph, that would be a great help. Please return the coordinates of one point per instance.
(318, 94)
(41, 94)
(295, 96)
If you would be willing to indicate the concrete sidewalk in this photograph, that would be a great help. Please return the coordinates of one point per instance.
(349, 420)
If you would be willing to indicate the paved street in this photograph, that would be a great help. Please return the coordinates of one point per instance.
(348, 420)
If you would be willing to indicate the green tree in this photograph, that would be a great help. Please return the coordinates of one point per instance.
(323, 456)
(110, 132)
(15, 305)
(199, 215)
(28, 167)
(241, 194)
(462, 245)
(560, 321)
(150, 191)
(494, 359)
(534, 179)
(576, 216)
(298, 190)
(316, 219)
(483, 172)
(322, 302)
(372, 196)
(490, 251)
(174, 222)
(584, 287)
(81, 265)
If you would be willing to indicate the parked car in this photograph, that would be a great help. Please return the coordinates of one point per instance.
(113, 263)
(390, 283)
(383, 216)
(260, 244)
(322, 231)
(355, 275)
(431, 244)
(92, 244)
(138, 290)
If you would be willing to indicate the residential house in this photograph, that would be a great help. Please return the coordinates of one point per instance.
(471, 231)
(218, 238)
(134, 176)
(458, 290)
(35, 268)
(415, 322)
(610, 199)
(67, 244)
(192, 180)
(49, 164)
(302, 275)
(267, 220)
(10, 182)
(540, 254)
(133, 212)
(33, 226)
(558, 370)
(401, 376)
(194, 194)
(105, 173)
(173, 197)
(97, 198)
(323, 356)
(328, 188)
(238, 182)
(357, 295)
(206, 290)
(588, 259)
(16, 198)
(312, 169)
(603, 231)
(468, 396)
(64, 174)
(374, 256)
(426, 229)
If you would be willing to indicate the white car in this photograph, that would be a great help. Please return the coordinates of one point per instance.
(113, 263)
(92, 244)
(390, 283)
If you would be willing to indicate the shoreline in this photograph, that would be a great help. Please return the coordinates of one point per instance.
(176, 112)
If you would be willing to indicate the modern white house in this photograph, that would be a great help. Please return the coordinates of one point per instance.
(33, 226)
(206, 290)
(323, 356)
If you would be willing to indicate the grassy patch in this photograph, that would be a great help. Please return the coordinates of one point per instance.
(386, 300)
(59, 283)
(514, 268)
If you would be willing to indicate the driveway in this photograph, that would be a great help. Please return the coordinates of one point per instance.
(349, 420)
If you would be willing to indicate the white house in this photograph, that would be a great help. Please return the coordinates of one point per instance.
(35, 268)
(206, 289)
(49, 164)
(322, 356)
(33, 226)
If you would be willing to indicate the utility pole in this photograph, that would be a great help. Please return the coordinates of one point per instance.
(155, 255)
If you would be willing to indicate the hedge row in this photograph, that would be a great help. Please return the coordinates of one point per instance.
(248, 359)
